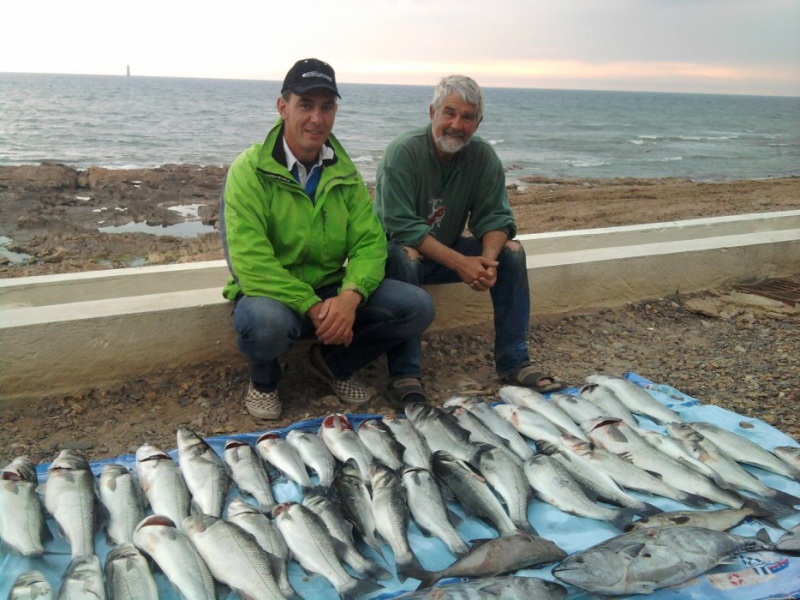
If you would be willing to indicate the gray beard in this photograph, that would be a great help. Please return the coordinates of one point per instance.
(450, 145)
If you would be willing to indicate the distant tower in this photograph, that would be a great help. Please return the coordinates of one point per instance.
(128, 73)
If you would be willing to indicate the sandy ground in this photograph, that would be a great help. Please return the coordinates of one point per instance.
(723, 350)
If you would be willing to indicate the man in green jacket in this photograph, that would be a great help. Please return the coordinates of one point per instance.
(431, 184)
(307, 254)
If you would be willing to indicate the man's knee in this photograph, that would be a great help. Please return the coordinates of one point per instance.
(404, 264)
(513, 245)
(412, 254)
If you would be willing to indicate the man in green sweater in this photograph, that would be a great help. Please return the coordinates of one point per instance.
(307, 254)
(431, 184)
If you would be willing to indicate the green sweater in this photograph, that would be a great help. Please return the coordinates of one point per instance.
(417, 195)
(281, 244)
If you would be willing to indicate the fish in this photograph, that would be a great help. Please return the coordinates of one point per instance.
(70, 496)
(416, 452)
(605, 398)
(356, 503)
(163, 483)
(509, 587)
(790, 540)
(282, 455)
(342, 531)
(507, 478)
(343, 443)
(391, 518)
(742, 450)
(30, 585)
(429, 510)
(128, 575)
(248, 473)
(532, 425)
(636, 399)
(552, 483)
(441, 431)
(729, 470)
(205, 472)
(314, 453)
(233, 556)
(629, 475)
(722, 519)
(381, 442)
(788, 454)
(521, 396)
(260, 526)
(124, 500)
(313, 547)
(23, 527)
(690, 454)
(174, 553)
(479, 432)
(577, 408)
(495, 424)
(83, 579)
(472, 491)
(645, 560)
(496, 556)
(616, 437)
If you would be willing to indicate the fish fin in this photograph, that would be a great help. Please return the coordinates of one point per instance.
(786, 498)
(410, 569)
(763, 536)
(624, 517)
(360, 589)
(528, 528)
(628, 457)
(453, 518)
(649, 509)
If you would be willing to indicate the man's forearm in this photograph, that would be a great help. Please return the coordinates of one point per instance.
(434, 250)
(493, 243)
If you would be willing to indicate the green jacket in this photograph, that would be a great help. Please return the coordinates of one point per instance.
(281, 244)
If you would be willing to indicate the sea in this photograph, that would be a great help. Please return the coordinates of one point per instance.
(131, 122)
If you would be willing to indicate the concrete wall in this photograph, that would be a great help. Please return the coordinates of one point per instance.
(60, 333)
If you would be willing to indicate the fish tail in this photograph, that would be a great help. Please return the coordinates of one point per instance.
(410, 568)
(624, 517)
(648, 510)
(694, 501)
(786, 498)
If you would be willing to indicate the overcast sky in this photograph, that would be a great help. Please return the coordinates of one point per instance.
(714, 46)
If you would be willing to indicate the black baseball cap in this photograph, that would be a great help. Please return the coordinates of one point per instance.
(308, 74)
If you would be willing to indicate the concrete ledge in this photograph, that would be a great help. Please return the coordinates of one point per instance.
(65, 332)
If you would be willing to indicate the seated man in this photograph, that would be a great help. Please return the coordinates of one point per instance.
(433, 182)
(307, 254)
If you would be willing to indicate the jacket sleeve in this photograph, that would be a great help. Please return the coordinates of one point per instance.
(250, 254)
(366, 243)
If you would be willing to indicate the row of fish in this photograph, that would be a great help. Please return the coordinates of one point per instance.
(374, 479)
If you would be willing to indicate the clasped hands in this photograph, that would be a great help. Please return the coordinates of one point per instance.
(333, 318)
(478, 272)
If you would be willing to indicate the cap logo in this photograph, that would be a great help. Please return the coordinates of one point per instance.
(317, 74)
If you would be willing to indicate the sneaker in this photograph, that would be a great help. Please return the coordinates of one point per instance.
(348, 390)
(262, 405)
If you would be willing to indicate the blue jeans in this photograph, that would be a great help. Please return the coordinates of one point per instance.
(394, 315)
(510, 298)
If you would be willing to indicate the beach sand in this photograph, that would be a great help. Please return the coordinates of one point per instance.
(746, 359)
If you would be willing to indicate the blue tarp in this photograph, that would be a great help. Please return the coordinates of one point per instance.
(753, 576)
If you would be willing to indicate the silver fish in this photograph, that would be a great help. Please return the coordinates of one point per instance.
(173, 552)
(124, 500)
(441, 431)
(577, 408)
(233, 556)
(315, 454)
(342, 531)
(532, 425)
(340, 438)
(391, 518)
(381, 442)
(70, 496)
(248, 473)
(496, 424)
(416, 452)
(356, 503)
(606, 399)
(204, 471)
(506, 554)
(163, 483)
(680, 450)
(31, 585)
(636, 399)
(718, 520)
(260, 526)
(472, 491)
(313, 547)
(509, 587)
(552, 483)
(742, 450)
(788, 454)
(83, 580)
(22, 519)
(429, 510)
(128, 576)
(790, 540)
(282, 455)
(645, 560)
(521, 396)
(507, 478)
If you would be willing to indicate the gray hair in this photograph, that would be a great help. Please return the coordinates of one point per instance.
(464, 86)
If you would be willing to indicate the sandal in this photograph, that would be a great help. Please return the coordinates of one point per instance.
(529, 377)
(403, 392)
(348, 390)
